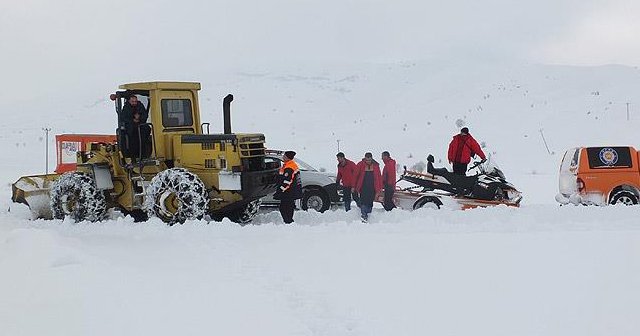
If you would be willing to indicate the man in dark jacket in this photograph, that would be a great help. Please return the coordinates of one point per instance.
(346, 175)
(461, 149)
(368, 184)
(134, 114)
(389, 180)
(290, 187)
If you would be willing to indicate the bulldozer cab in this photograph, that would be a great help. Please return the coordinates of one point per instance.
(170, 109)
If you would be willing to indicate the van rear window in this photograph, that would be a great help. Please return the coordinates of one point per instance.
(609, 157)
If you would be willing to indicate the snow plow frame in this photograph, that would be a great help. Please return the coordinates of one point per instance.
(33, 190)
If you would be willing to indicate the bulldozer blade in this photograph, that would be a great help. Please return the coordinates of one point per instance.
(33, 191)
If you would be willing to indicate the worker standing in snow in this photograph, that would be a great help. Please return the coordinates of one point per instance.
(290, 187)
(461, 149)
(346, 176)
(388, 180)
(368, 184)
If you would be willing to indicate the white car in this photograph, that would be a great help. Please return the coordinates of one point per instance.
(319, 190)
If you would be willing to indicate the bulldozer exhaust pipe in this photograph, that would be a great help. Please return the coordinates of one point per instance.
(226, 110)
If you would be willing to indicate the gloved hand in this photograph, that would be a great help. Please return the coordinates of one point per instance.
(483, 160)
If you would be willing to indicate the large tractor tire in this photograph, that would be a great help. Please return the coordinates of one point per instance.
(176, 195)
(245, 214)
(75, 195)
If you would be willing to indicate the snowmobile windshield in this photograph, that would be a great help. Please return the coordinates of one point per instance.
(489, 167)
(498, 172)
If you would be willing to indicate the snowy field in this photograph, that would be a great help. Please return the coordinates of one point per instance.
(538, 270)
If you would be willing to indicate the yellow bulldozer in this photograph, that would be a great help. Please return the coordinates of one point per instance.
(168, 166)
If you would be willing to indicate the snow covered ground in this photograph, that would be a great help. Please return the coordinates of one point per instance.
(538, 270)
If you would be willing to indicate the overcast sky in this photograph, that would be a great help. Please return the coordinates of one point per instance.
(68, 42)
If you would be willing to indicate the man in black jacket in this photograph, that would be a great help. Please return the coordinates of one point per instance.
(134, 114)
(289, 188)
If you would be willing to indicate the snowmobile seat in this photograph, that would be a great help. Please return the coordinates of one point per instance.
(466, 183)
(437, 171)
(463, 184)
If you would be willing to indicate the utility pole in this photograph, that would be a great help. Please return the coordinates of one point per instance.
(545, 141)
(338, 141)
(46, 151)
(628, 111)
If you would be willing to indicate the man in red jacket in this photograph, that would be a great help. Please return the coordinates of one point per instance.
(368, 184)
(346, 175)
(389, 180)
(461, 149)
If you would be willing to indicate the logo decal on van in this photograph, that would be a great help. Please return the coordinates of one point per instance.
(608, 156)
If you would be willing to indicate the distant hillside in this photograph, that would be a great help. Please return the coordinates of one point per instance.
(408, 108)
(413, 109)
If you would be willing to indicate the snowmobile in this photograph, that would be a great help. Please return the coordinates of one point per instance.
(488, 187)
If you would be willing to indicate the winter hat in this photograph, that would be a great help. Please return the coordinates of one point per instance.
(340, 155)
(368, 155)
(290, 154)
(464, 130)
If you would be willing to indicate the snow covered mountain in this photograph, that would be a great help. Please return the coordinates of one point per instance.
(410, 109)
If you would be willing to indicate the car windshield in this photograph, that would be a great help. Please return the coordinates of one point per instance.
(301, 164)
(304, 166)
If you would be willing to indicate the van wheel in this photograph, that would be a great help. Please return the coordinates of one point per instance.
(624, 197)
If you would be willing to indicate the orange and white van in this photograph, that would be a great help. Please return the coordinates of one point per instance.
(600, 176)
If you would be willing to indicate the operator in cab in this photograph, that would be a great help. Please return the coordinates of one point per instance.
(139, 137)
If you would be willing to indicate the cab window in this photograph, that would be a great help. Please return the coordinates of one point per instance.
(176, 112)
